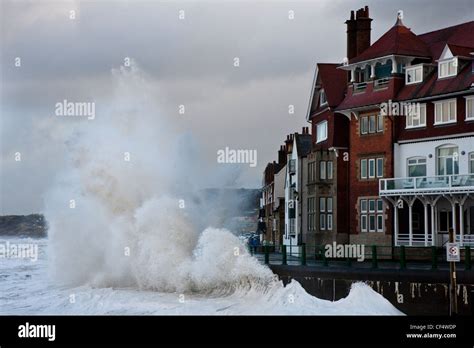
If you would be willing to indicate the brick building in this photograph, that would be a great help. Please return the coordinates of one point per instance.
(327, 166)
(391, 155)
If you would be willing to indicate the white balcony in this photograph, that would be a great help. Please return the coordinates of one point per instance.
(360, 86)
(419, 240)
(416, 240)
(381, 83)
(427, 185)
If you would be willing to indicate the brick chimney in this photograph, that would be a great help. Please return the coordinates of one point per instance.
(358, 32)
(282, 155)
(289, 143)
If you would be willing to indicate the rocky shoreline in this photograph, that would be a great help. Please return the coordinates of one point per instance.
(33, 226)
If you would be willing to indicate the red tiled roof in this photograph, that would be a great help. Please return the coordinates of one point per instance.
(432, 86)
(365, 99)
(458, 36)
(460, 51)
(399, 40)
(460, 41)
(334, 82)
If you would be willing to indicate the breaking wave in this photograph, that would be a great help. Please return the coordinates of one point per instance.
(120, 223)
(136, 225)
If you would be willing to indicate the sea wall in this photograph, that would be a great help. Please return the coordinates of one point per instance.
(414, 292)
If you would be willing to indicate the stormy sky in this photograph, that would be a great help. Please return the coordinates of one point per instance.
(187, 61)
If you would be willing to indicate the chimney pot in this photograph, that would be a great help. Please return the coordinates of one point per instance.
(358, 32)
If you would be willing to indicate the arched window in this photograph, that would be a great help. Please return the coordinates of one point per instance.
(416, 166)
(447, 160)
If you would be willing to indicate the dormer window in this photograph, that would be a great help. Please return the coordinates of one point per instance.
(322, 98)
(414, 74)
(448, 67)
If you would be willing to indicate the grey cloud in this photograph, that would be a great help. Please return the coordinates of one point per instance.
(187, 62)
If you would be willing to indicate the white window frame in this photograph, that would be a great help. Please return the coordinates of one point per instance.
(413, 68)
(322, 98)
(419, 115)
(321, 137)
(419, 161)
(363, 221)
(377, 206)
(364, 130)
(329, 222)
(330, 169)
(378, 166)
(322, 204)
(368, 168)
(446, 62)
(362, 203)
(380, 123)
(322, 222)
(440, 104)
(454, 157)
(363, 214)
(373, 117)
(369, 217)
(322, 170)
(379, 216)
(311, 213)
(469, 100)
(363, 165)
(374, 201)
(329, 204)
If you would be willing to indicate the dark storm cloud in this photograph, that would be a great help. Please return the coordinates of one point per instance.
(189, 62)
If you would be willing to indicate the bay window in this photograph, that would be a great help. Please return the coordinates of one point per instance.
(325, 214)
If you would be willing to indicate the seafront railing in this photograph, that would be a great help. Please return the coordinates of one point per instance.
(439, 183)
(373, 256)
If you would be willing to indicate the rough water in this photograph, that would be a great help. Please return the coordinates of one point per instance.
(26, 288)
(128, 234)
